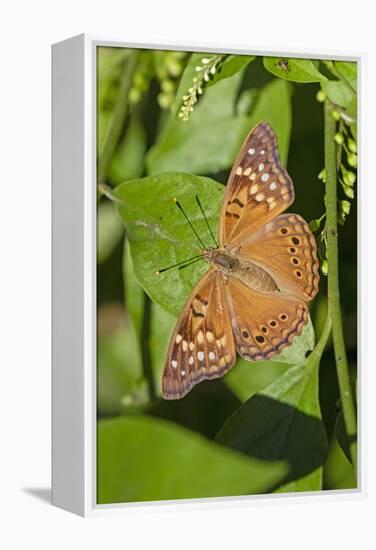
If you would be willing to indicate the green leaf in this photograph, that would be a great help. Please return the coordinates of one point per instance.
(159, 235)
(274, 106)
(249, 377)
(232, 65)
(128, 161)
(283, 421)
(109, 230)
(145, 459)
(338, 92)
(212, 138)
(209, 141)
(295, 70)
(349, 71)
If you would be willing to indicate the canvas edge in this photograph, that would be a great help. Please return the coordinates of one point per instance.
(88, 506)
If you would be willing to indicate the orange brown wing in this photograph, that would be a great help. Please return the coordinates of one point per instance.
(202, 344)
(258, 188)
(286, 249)
(263, 324)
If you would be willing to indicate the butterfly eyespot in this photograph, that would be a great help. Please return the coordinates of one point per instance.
(292, 250)
(273, 323)
(295, 261)
(295, 240)
(298, 274)
(245, 334)
(284, 231)
(264, 329)
(283, 317)
(260, 339)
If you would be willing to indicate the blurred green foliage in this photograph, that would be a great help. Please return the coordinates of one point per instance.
(263, 427)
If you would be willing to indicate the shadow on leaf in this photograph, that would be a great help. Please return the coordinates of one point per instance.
(268, 429)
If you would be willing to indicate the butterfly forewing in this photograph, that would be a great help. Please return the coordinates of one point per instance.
(258, 189)
(202, 345)
(263, 324)
(286, 249)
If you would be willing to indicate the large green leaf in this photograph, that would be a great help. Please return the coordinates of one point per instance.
(283, 421)
(338, 92)
(209, 141)
(141, 459)
(159, 235)
(293, 69)
(348, 71)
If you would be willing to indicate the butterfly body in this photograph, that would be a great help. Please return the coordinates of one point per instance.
(230, 263)
(253, 299)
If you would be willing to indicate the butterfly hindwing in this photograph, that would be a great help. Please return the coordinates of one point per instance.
(202, 345)
(263, 324)
(258, 189)
(286, 249)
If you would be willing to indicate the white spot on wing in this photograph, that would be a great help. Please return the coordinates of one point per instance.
(191, 360)
(174, 364)
(273, 186)
(251, 151)
(265, 177)
(212, 356)
(200, 356)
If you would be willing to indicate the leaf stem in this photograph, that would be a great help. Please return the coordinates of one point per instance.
(334, 304)
(118, 117)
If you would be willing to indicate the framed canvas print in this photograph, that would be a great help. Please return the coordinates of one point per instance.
(205, 274)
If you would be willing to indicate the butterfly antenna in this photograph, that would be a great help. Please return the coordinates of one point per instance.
(190, 223)
(206, 220)
(192, 262)
(187, 262)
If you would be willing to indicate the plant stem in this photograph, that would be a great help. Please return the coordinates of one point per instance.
(334, 304)
(118, 117)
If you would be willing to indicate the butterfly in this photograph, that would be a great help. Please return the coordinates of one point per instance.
(253, 299)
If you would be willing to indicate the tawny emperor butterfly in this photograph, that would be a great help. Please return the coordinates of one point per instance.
(253, 299)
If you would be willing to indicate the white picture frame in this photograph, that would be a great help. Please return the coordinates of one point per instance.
(74, 276)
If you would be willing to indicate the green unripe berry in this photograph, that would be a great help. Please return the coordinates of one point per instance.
(338, 138)
(352, 145)
(336, 115)
(352, 159)
(321, 96)
(349, 178)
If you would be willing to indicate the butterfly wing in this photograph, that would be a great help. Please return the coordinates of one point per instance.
(202, 344)
(258, 189)
(263, 324)
(286, 249)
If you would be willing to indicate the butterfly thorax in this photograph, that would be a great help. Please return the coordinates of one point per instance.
(251, 274)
